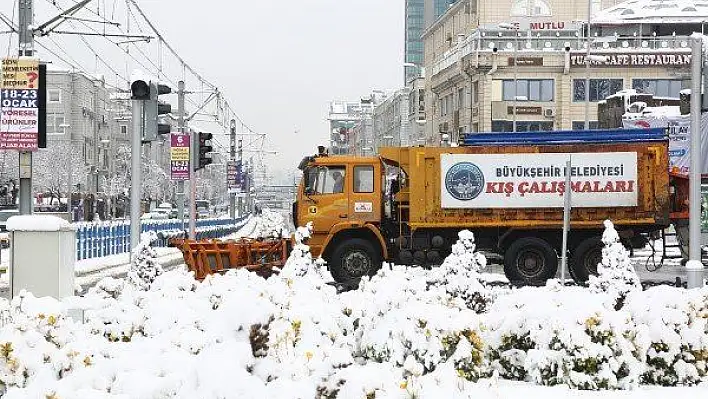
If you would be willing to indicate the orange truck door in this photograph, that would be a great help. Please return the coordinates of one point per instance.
(365, 195)
(325, 200)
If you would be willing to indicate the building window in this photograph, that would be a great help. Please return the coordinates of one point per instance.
(660, 87)
(474, 93)
(600, 89)
(580, 125)
(54, 122)
(460, 98)
(522, 126)
(124, 130)
(54, 95)
(530, 8)
(528, 90)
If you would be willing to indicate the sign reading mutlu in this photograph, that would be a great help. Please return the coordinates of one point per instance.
(577, 59)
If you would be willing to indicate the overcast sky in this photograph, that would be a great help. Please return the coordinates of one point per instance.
(278, 62)
(281, 61)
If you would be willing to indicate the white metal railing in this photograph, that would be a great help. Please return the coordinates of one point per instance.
(539, 44)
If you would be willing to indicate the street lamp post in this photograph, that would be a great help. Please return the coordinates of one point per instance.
(587, 70)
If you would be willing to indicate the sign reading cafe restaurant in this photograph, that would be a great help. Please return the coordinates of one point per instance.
(634, 60)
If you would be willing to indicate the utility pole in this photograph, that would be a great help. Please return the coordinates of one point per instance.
(694, 267)
(232, 149)
(181, 128)
(26, 49)
(243, 175)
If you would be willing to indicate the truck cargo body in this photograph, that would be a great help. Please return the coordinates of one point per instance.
(508, 190)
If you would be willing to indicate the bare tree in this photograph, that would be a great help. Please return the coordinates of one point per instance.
(52, 165)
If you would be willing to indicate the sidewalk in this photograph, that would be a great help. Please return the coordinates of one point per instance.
(91, 271)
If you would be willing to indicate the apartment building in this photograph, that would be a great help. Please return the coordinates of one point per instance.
(520, 65)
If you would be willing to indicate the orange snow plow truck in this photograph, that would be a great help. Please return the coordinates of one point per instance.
(407, 205)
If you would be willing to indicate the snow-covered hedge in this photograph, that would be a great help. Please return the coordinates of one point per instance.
(405, 332)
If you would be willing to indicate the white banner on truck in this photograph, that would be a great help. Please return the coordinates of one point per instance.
(598, 179)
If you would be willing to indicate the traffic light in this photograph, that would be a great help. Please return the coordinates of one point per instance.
(140, 90)
(202, 150)
(152, 111)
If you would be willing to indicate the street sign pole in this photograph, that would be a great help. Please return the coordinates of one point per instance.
(181, 129)
(240, 161)
(232, 148)
(194, 136)
(135, 174)
(566, 220)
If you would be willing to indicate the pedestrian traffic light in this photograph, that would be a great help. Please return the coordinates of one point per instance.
(152, 111)
(202, 150)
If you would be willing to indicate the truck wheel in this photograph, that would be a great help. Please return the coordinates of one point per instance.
(585, 259)
(354, 259)
(530, 259)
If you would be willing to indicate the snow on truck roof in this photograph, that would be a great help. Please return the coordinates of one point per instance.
(565, 137)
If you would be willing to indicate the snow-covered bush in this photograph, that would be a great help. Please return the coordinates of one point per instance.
(144, 267)
(675, 328)
(616, 275)
(405, 332)
(41, 344)
(459, 273)
(562, 337)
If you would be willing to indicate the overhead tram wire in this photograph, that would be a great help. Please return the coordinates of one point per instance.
(185, 65)
(117, 44)
(228, 113)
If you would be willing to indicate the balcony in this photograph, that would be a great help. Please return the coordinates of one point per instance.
(485, 42)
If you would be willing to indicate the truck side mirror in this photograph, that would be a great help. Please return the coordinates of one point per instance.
(309, 191)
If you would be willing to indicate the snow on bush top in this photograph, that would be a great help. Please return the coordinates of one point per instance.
(270, 225)
(616, 275)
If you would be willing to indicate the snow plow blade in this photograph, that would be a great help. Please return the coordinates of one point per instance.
(205, 257)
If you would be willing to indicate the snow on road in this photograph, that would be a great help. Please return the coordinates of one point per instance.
(268, 224)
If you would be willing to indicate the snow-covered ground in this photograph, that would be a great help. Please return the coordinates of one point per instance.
(405, 333)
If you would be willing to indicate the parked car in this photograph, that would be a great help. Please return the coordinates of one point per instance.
(6, 214)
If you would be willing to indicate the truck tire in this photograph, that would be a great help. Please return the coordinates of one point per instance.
(353, 259)
(585, 258)
(530, 259)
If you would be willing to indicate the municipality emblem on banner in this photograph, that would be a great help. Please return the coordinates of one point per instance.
(464, 181)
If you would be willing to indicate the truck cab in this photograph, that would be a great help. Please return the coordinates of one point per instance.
(343, 198)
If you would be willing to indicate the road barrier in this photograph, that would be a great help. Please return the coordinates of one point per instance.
(99, 239)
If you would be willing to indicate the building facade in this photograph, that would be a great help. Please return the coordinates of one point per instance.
(390, 121)
(520, 65)
(351, 125)
(413, 49)
(434, 9)
(80, 117)
(416, 111)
